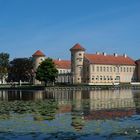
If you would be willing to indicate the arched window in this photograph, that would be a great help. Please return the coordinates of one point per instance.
(101, 78)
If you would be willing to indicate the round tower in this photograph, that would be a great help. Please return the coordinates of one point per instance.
(77, 56)
(38, 57)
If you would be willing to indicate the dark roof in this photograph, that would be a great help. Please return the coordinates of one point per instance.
(77, 47)
(38, 53)
(109, 59)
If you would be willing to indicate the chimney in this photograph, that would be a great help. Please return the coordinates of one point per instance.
(124, 55)
(115, 54)
(97, 53)
(104, 53)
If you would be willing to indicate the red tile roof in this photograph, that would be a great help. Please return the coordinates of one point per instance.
(77, 47)
(109, 59)
(62, 64)
(38, 53)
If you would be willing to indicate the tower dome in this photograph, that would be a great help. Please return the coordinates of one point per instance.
(38, 53)
(77, 47)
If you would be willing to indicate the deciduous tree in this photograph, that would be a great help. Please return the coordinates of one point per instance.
(46, 71)
(21, 69)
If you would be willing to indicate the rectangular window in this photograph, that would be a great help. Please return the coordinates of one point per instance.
(100, 69)
(121, 69)
(93, 68)
(114, 69)
(107, 69)
(97, 68)
(110, 69)
(124, 69)
(117, 69)
(127, 69)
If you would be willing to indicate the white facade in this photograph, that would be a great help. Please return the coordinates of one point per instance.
(101, 69)
(94, 69)
(64, 75)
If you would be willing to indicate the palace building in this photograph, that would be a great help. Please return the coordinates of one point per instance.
(93, 69)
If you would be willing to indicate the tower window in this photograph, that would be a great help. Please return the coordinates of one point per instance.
(41, 59)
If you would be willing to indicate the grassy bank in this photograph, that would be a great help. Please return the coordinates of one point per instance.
(22, 87)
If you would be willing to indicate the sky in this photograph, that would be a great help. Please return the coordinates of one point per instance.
(54, 26)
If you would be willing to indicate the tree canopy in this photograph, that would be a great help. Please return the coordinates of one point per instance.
(4, 64)
(21, 69)
(47, 71)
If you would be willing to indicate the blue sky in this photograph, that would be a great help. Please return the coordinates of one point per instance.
(54, 26)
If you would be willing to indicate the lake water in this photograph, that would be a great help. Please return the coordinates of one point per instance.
(79, 115)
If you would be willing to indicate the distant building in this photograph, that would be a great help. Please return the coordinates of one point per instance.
(93, 69)
(101, 68)
(63, 67)
(64, 70)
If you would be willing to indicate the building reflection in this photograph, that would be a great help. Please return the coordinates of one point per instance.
(85, 105)
(110, 104)
(95, 105)
(11, 95)
(99, 104)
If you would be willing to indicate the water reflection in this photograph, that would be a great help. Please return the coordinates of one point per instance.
(91, 104)
(26, 95)
(90, 112)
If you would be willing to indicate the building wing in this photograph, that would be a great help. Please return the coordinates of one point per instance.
(109, 59)
(62, 64)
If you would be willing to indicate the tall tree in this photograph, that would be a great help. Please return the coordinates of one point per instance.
(4, 64)
(21, 69)
(46, 71)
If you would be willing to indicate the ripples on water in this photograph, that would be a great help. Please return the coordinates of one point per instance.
(108, 114)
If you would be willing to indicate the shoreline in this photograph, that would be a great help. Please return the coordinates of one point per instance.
(69, 87)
